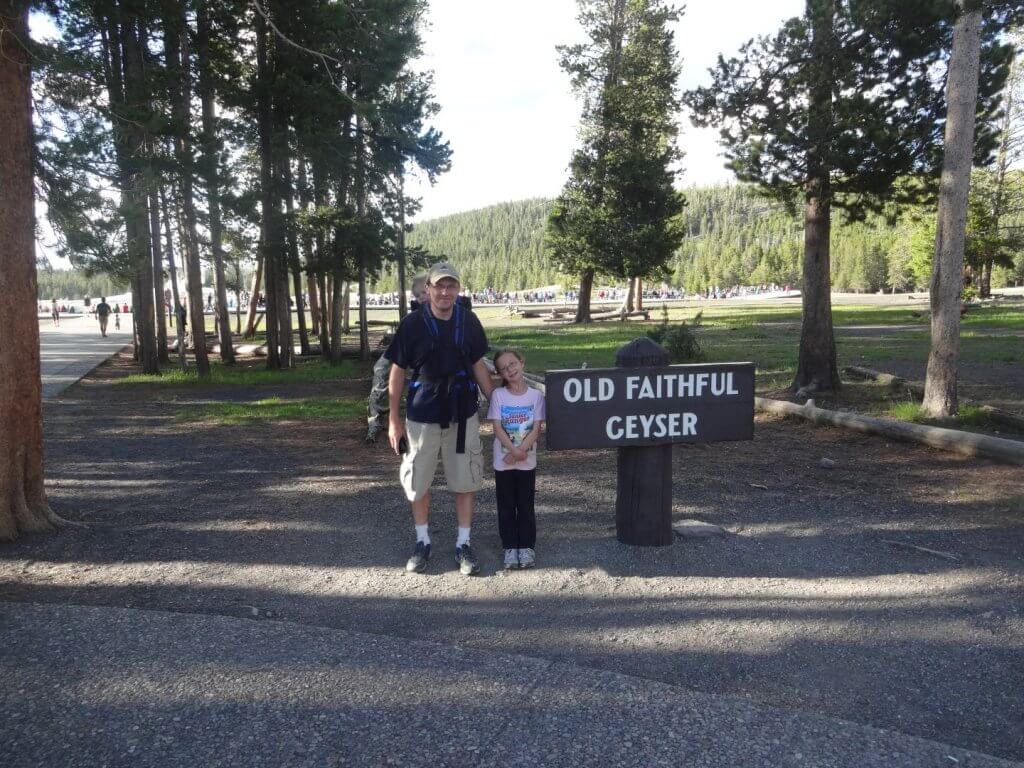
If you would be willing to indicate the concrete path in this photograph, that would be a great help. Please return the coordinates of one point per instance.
(85, 686)
(71, 350)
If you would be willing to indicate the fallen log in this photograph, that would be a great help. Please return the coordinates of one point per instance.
(964, 443)
(1010, 419)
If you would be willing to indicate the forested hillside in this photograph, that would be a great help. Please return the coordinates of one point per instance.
(735, 237)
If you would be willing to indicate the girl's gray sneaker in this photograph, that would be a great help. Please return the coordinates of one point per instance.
(511, 559)
(527, 558)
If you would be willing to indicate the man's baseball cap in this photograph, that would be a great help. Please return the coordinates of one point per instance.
(441, 270)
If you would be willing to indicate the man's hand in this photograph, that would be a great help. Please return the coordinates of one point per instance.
(396, 431)
(517, 454)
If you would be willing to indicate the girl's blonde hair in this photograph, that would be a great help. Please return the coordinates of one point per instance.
(507, 351)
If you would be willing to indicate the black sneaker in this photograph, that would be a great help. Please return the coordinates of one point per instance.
(465, 557)
(420, 556)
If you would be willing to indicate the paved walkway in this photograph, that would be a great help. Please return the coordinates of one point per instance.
(144, 688)
(71, 350)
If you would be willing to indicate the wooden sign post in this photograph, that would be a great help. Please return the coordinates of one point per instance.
(642, 408)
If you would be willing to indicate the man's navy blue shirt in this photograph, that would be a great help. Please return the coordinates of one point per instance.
(414, 342)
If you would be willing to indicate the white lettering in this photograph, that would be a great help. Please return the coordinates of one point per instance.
(702, 382)
(673, 425)
(606, 389)
(631, 384)
(631, 427)
(660, 420)
(717, 384)
(731, 389)
(572, 391)
(588, 396)
(646, 390)
(689, 423)
(645, 423)
(685, 385)
(613, 432)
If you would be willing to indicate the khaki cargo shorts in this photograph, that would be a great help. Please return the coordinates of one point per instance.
(464, 472)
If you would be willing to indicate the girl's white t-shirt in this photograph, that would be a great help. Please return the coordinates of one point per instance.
(518, 414)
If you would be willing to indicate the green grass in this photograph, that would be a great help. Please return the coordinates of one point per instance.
(275, 409)
(244, 375)
(767, 335)
(969, 416)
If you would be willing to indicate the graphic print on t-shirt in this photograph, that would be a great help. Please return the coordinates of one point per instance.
(517, 421)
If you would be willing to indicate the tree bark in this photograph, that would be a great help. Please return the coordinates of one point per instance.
(817, 369)
(364, 332)
(179, 328)
(403, 302)
(210, 166)
(314, 304)
(257, 280)
(638, 294)
(940, 387)
(325, 323)
(293, 257)
(179, 61)
(270, 240)
(23, 504)
(134, 175)
(583, 300)
(337, 285)
(158, 278)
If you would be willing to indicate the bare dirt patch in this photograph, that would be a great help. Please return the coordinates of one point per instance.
(817, 600)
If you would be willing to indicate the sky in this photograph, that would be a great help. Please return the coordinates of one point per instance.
(507, 108)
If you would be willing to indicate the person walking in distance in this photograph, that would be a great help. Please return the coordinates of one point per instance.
(517, 413)
(103, 315)
(54, 312)
(441, 350)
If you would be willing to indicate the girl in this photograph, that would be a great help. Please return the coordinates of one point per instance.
(517, 412)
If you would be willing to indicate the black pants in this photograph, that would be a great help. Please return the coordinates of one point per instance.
(517, 523)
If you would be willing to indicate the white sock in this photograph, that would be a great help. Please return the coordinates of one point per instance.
(463, 537)
(423, 533)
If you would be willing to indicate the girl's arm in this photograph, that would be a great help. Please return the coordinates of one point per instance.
(534, 435)
(502, 435)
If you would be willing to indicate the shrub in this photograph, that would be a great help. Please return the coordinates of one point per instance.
(679, 340)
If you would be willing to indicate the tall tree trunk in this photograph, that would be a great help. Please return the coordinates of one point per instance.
(583, 300)
(940, 387)
(817, 368)
(158, 277)
(173, 273)
(1006, 136)
(210, 166)
(314, 304)
(23, 504)
(325, 323)
(638, 294)
(346, 307)
(305, 200)
(336, 320)
(403, 302)
(257, 281)
(135, 173)
(627, 303)
(176, 44)
(364, 331)
(271, 245)
(293, 257)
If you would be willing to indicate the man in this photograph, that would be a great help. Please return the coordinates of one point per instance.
(441, 349)
(378, 405)
(103, 314)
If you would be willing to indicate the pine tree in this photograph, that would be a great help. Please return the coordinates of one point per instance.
(833, 109)
(618, 213)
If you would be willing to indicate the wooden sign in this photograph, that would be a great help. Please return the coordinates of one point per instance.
(617, 407)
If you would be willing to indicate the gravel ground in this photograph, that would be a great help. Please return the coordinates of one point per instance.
(816, 601)
(139, 688)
